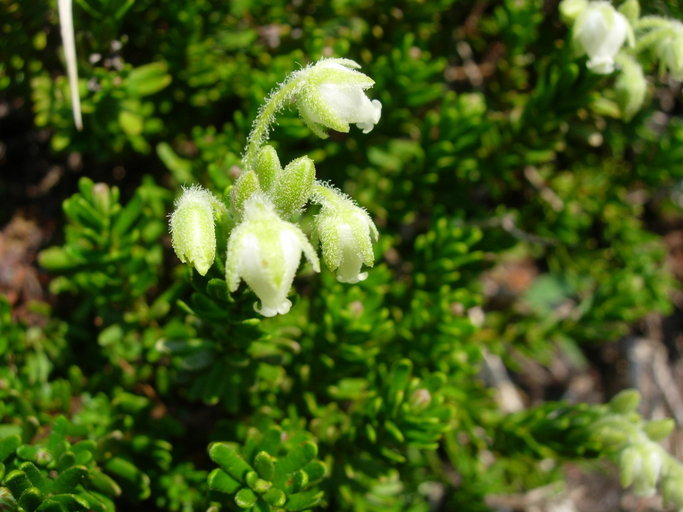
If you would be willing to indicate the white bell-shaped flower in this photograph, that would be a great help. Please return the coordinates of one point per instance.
(346, 234)
(192, 228)
(600, 31)
(334, 97)
(265, 251)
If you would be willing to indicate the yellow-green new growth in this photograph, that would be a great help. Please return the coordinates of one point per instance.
(192, 227)
(265, 251)
(346, 234)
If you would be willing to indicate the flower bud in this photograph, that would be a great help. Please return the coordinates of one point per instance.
(657, 430)
(629, 465)
(192, 228)
(669, 49)
(600, 31)
(334, 97)
(625, 401)
(346, 233)
(265, 252)
(651, 460)
(672, 488)
(630, 87)
(630, 9)
(245, 187)
(268, 167)
(293, 186)
(570, 9)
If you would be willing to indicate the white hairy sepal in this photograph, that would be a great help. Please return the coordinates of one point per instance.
(346, 234)
(265, 251)
(192, 227)
(333, 97)
(599, 32)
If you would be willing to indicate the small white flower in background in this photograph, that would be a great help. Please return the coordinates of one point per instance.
(669, 49)
(346, 233)
(265, 251)
(600, 31)
(193, 230)
(334, 98)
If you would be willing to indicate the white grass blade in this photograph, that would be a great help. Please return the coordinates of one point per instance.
(66, 23)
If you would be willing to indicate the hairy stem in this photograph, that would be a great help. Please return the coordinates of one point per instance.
(266, 116)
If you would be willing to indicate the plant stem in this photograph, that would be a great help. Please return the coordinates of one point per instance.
(275, 102)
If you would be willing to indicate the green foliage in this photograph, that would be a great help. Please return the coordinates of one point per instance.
(275, 470)
(496, 148)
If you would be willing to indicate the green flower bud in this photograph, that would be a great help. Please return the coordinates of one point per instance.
(669, 49)
(659, 429)
(629, 465)
(346, 233)
(268, 167)
(630, 9)
(630, 87)
(672, 488)
(193, 230)
(334, 97)
(570, 9)
(625, 401)
(651, 461)
(244, 188)
(265, 252)
(293, 186)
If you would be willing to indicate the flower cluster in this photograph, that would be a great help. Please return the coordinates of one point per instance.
(264, 246)
(621, 40)
(643, 463)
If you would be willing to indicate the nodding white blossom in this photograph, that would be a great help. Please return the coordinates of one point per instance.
(570, 9)
(346, 233)
(265, 251)
(669, 49)
(334, 98)
(600, 31)
(193, 229)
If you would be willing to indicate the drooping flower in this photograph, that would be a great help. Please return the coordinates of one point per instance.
(193, 229)
(600, 31)
(265, 251)
(346, 234)
(334, 97)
